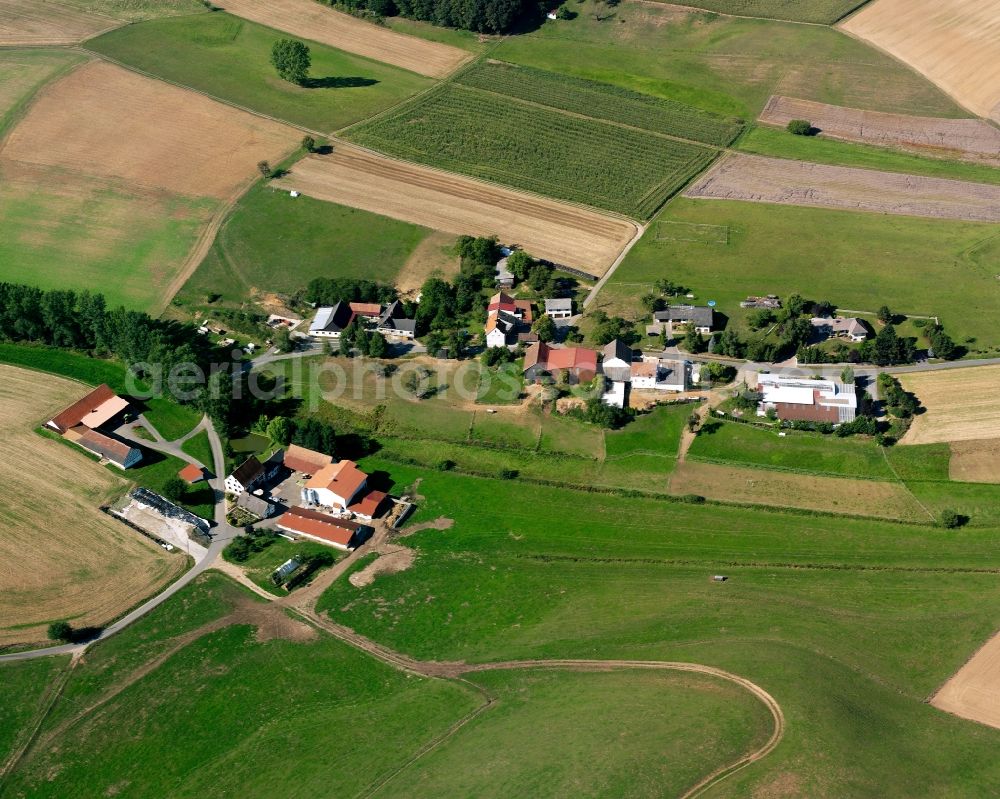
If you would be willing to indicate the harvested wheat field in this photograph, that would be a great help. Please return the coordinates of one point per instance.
(563, 233)
(975, 461)
(105, 121)
(962, 405)
(311, 20)
(965, 139)
(60, 557)
(954, 43)
(973, 692)
(791, 490)
(37, 22)
(777, 180)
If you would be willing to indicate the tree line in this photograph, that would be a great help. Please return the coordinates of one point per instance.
(482, 16)
(83, 321)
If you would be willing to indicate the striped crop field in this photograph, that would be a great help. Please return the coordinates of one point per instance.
(602, 101)
(538, 149)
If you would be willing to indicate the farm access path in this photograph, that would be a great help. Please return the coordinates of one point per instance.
(223, 533)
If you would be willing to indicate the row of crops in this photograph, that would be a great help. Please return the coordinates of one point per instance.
(544, 151)
(824, 12)
(602, 101)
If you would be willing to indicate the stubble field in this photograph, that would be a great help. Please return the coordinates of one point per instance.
(38, 22)
(311, 20)
(60, 557)
(563, 233)
(968, 139)
(955, 43)
(105, 121)
(962, 405)
(757, 178)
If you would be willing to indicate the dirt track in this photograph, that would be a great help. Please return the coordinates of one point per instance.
(973, 692)
(38, 22)
(967, 139)
(106, 121)
(954, 43)
(757, 178)
(560, 232)
(962, 405)
(310, 20)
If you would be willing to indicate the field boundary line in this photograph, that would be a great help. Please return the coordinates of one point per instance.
(791, 469)
(53, 693)
(10, 120)
(906, 488)
(741, 16)
(334, 140)
(950, 677)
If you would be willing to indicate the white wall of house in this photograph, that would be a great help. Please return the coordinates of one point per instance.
(496, 338)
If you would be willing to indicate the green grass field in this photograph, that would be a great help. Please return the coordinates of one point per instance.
(26, 692)
(528, 147)
(268, 230)
(170, 419)
(130, 248)
(613, 739)
(857, 261)
(729, 442)
(766, 140)
(824, 12)
(723, 64)
(228, 58)
(601, 101)
(846, 646)
(261, 565)
(199, 448)
(155, 469)
(315, 715)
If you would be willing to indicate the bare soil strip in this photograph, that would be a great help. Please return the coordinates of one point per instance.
(973, 692)
(792, 490)
(563, 233)
(965, 139)
(954, 43)
(311, 20)
(756, 178)
(39, 22)
(60, 557)
(975, 461)
(962, 405)
(106, 121)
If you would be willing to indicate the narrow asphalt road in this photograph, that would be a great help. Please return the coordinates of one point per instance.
(222, 534)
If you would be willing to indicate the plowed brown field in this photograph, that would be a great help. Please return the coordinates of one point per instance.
(60, 557)
(975, 461)
(105, 121)
(776, 180)
(962, 405)
(967, 139)
(560, 232)
(311, 20)
(954, 43)
(35, 22)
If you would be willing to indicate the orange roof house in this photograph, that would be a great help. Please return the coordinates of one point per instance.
(191, 473)
(335, 485)
(580, 363)
(340, 533)
(96, 409)
(369, 506)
